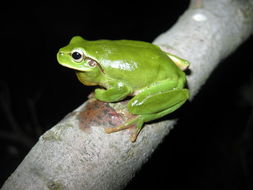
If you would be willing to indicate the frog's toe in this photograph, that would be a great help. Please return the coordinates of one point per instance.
(115, 129)
(135, 123)
(138, 126)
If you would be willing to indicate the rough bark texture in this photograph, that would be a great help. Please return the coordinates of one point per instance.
(67, 157)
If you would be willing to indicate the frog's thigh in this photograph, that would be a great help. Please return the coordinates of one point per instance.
(143, 104)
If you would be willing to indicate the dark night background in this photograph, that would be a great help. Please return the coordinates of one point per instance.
(211, 146)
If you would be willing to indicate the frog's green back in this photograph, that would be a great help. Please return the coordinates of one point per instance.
(134, 62)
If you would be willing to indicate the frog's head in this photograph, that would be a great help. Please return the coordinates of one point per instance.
(74, 56)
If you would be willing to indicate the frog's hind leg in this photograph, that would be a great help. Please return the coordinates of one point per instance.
(150, 117)
(172, 99)
(136, 122)
(126, 125)
(152, 104)
(152, 109)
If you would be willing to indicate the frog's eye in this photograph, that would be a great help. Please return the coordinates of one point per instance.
(77, 55)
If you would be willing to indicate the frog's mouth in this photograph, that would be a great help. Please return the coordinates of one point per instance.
(74, 67)
(86, 65)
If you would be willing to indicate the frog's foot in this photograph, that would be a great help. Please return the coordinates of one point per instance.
(137, 123)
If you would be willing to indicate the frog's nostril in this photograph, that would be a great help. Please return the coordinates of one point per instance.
(61, 53)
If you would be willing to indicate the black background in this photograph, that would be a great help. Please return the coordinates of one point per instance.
(211, 146)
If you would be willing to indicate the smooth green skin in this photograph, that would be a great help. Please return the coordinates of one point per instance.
(129, 68)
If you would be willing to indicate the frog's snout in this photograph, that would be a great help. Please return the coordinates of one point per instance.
(60, 53)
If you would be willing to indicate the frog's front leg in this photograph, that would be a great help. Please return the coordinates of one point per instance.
(153, 104)
(114, 93)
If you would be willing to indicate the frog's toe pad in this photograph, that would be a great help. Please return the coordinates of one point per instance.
(133, 137)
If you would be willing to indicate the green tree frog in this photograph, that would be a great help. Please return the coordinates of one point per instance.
(125, 68)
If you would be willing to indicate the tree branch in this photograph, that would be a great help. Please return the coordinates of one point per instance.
(67, 157)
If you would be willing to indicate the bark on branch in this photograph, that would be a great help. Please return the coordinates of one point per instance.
(66, 157)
